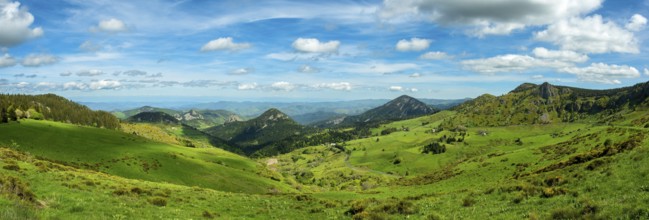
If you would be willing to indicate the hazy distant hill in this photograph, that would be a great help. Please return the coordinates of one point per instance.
(153, 117)
(403, 107)
(195, 118)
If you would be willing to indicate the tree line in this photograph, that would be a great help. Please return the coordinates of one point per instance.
(14, 107)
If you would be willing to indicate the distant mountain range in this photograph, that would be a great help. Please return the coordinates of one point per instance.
(196, 118)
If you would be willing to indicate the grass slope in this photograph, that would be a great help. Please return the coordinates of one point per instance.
(131, 156)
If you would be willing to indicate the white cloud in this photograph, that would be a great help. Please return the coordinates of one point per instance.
(92, 72)
(415, 75)
(284, 86)
(89, 46)
(646, 71)
(224, 43)
(510, 63)
(636, 23)
(313, 45)
(396, 88)
(537, 77)
(242, 71)
(45, 85)
(112, 25)
(435, 55)
(7, 61)
(74, 86)
(36, 60)
(14, 24)
(105, 84)
(134, 73)
(414, 44)
(589, 35)
(65, 74)
(488, 17)
(602, 73)
(562, 55)
(307, 69)
(413, 90)
(335, 86)
(247, 86)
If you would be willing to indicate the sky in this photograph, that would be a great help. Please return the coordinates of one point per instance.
(247, 50)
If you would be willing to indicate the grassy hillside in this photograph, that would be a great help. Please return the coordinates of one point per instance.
(31, 188)
(131, 156)
(556, 171)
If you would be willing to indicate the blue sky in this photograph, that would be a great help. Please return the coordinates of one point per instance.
(102, 50)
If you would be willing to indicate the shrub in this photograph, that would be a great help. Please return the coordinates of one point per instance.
(434, 148)
(158, 201)
(468, 201)
(13, 167)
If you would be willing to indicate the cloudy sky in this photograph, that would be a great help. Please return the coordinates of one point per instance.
(105, 50)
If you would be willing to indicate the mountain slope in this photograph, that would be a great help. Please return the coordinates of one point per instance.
(403, 107)
(128, 155)
(196, 118)
(153, 117)
(252, 135)
(546, 103)
(54, 108)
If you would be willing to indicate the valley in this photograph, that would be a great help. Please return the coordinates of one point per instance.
(538, 152)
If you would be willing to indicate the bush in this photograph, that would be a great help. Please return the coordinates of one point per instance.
(158, 201)
(13, 167)
(468, 201)
(434, 148)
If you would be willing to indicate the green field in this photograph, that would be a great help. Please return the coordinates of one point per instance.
(553, 171)
(131, 156)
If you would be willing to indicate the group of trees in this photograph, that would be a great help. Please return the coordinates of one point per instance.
(52, 107)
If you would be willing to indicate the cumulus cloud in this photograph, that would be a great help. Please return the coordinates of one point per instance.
(247, 86)
(105, 85)
(435, 55)
(74, 86)
(589, 35)
(415, 75)
(242, 71)
(22, 75)
(157, 75)
(282, 86)
(646, 71)
(92, 72)
(562, 55)
(537, 77)
(14, 24)
(542, 58)
(414, 44)
(488, 17)
(111, 25)
(224, 43)
(602, 73)
(510, 63)
(7, 61)
(636, 23)
(313, 45)
(335, 86)
(307, 69)
(134, 73)
(396, 88)
(65, 74)
(89, 46)
(36, 60)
